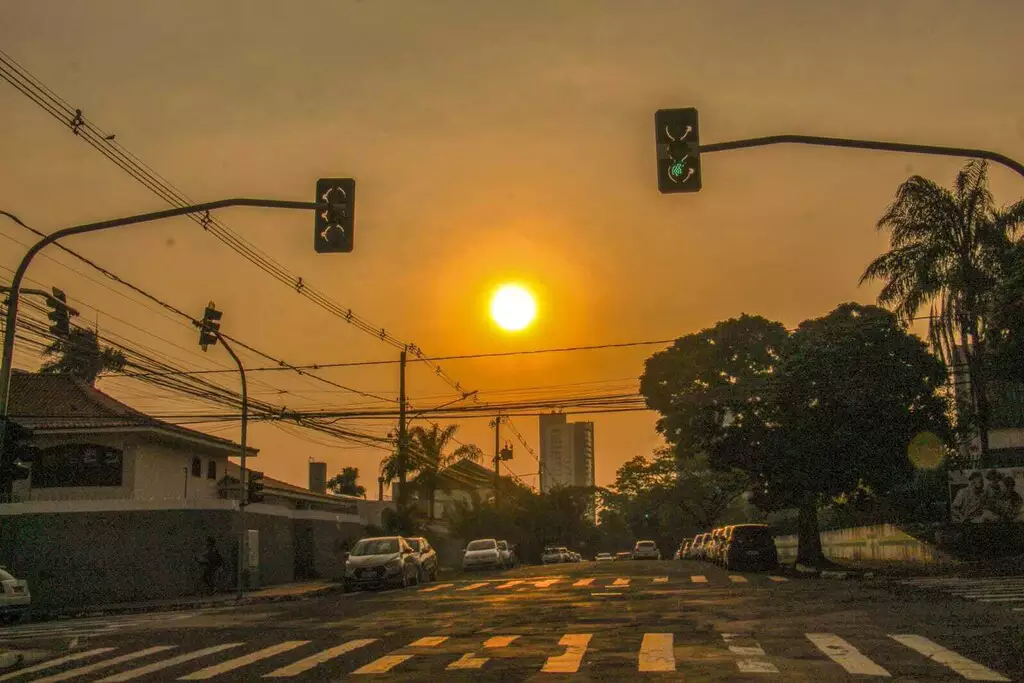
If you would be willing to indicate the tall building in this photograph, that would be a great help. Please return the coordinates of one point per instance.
(566, 452)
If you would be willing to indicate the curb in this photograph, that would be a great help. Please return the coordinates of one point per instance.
(86, 611)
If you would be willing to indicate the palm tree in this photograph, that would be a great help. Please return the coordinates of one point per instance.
(948, 250)
(81, 356)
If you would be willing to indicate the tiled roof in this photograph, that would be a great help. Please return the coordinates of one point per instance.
(50, 403)
(271, 485)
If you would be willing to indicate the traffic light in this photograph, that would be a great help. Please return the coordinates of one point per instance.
(210, 326)
(60, 316)
(18, 452)
(678, 140)
(506, 452)
(334, 227)
(255, 492)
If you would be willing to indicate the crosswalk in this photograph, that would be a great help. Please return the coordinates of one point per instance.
(1002, 591)
(100, 626)
(531, 653)
(601, 584)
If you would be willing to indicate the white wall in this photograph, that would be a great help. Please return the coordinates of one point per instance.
(163, 471)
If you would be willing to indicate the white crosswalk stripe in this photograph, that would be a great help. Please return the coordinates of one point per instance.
(1003, 591)
(845, 655)
(970, 670)
(656, 652)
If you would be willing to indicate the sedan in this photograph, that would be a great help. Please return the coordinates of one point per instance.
(482, 554)
(426, 558)
(15, 598)
(381, 562)
(646, 550)
(604, 557)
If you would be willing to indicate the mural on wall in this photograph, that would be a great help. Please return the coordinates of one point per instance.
(986, 495)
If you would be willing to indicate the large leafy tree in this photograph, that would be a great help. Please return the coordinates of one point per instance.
(81, 356)
(826, 411)
(948, 250)
(346, 483)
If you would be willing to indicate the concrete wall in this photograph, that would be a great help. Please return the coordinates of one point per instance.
(880, 543)
(163, 471)
(98, 555)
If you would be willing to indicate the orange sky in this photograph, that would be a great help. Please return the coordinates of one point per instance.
(491, 142)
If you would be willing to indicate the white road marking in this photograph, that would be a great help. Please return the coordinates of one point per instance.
(510, 584)
(473, 586)
(307, 663)
(845, 655)
(749, 666)
(467, 661)
(166, 663)
(604, 594)
(500, 641)
(575, 645)
(436, 587)
(105, 664)
(778, 579)
(55, 662)
(244, 660)
(656, 653)
(661, 579)
(429, 641)
(699, 579)
(583, 582)
(970, 670)
(1004, 599)
(382, 665)
(756, 666)
(547, 583)
(736, 578)
(620, 582)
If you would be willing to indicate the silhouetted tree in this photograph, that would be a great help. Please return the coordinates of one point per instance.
(346, 483)
(81, 356)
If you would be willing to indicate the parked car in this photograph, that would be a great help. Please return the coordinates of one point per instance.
(513, 553)
(426, 558)
(381, 562)
(684, 549)
(15, 598)
(604, 557)
(506, 554)
(554, 555)
(714, 545)
(623, 556)
(482, 553)
(750, 545)
(697, 547)
(646, 550)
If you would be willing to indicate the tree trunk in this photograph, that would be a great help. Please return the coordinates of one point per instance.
(430, 504)
(809, 536)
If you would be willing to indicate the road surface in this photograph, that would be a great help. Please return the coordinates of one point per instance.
(616, 621)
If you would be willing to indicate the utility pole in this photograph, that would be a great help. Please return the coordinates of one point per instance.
(402, 461)
(497, 457)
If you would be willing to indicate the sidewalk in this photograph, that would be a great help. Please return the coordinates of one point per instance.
(280, 593)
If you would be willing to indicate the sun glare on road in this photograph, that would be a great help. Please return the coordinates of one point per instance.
(513, 308)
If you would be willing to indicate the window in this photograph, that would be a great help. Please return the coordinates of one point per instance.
(415, 544)
(375, 546)
(197, 467)
(482, 545)
(74, 465)
(211, 469)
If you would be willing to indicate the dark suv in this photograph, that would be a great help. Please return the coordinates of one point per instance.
(750, 545)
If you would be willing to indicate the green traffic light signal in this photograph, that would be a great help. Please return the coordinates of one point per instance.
(678, 144)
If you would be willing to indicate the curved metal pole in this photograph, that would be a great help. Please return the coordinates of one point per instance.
(866, 144)
(6, 361)
(242, 484)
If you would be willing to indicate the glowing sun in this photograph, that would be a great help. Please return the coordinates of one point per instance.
(513, 308)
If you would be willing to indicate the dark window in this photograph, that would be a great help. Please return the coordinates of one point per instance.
(77, 465)
(415, 545)
(197, 467)
(750, 534)
(211, 469)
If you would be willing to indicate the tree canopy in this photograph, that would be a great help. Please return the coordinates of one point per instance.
(346, 483)
(81, 356)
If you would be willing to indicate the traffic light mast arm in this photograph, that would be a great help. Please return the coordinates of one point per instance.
(19, 275)
(865, 144)
(40, 292)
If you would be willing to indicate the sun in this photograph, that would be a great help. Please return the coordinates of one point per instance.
(513, 308)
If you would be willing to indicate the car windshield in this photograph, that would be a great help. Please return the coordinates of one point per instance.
(503, 545)
(752, 533)
(481, 545)
(375, 546)
(550, 551)
(646, 545)
(414, 543)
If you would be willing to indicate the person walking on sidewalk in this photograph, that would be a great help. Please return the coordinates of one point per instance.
(212, 562)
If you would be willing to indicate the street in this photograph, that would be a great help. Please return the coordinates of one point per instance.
(609, 621)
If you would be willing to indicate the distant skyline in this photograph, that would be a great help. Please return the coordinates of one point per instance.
(492, 143)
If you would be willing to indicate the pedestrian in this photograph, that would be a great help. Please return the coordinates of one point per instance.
(212, 562)
(968, 504)
(1012, 503)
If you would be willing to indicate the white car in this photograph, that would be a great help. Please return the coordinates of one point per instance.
(15, 598)
(554, 555)
(646, 550)
(506, 554)
(604, 557)
(482, 553)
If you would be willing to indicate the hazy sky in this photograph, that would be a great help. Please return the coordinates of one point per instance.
(491, 142)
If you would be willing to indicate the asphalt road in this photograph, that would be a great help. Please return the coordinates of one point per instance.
(620, 621)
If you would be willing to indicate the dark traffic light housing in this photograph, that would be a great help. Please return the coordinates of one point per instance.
(334, 227)
(678, 141)
(60, 316)
(255, 488)
(18, 452)
(209, 327)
